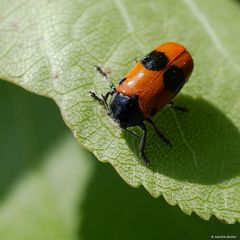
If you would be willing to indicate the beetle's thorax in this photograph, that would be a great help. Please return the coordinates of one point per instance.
(125, 110)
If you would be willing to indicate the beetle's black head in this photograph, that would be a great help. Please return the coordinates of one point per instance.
(125, 110)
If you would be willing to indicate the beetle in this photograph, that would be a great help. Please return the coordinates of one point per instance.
(149, 86)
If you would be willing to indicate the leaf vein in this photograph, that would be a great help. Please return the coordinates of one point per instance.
(210, 31)
(185, 141)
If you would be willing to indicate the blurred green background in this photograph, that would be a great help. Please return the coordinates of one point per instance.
(51, 188)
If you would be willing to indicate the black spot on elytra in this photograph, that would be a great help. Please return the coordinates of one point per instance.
(173, 78)
(121, 81)
(155, 61)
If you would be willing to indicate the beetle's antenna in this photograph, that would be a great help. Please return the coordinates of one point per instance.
(100, 69)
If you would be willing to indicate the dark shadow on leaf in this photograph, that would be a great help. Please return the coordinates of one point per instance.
(113, 210)
(29, 125)
(206, 144)
(238, 1)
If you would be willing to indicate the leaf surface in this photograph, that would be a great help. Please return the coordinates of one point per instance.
(50, 47)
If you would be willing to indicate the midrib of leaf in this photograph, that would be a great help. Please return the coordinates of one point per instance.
(221, 48)
(201, 17)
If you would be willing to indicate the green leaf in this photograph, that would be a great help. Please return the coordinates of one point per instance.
(39, 159)
(44, 174)
(37, 206)
(50, 188)
(50, 48)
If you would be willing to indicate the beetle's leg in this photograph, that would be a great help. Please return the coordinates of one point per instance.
(161, 135)
(135, 61)
(93, 95)
(133, 133)
(105, 74)
(103, 100)
(178, 108)
(105, 97)
(143, 143)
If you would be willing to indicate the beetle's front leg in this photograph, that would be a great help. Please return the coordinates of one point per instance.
(93, 95)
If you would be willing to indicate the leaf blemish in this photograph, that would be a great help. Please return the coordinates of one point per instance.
(15, 26)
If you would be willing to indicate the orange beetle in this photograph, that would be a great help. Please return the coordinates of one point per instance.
(150, 85)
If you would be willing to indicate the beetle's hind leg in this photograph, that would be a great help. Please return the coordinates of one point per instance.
(133, 133)
(159, 133)
(178, 108)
